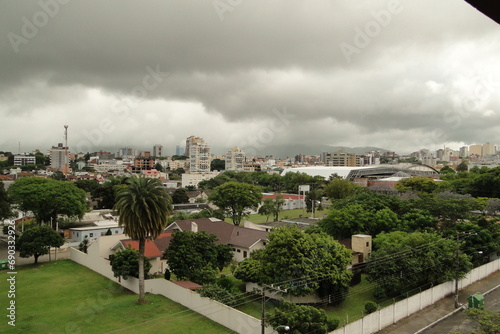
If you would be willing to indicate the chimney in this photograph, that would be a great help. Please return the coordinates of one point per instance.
(194, 227)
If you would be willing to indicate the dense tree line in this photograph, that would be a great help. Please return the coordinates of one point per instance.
(415, 229)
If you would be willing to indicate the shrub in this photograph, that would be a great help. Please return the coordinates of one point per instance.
(370, 307)
(167, 274)
(332, 324)
(218, 293)
(225, 282)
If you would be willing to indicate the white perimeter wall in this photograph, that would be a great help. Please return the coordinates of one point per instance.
(389, 315)
(226, 316)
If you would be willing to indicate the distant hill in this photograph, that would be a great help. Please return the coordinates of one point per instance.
(291, 150)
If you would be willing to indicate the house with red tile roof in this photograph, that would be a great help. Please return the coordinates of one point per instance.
(292, 201)
(151, 252)
(242, 240)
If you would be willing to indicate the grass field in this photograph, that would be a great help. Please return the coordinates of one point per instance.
(64, 297)
(285, 214)
(352, 308)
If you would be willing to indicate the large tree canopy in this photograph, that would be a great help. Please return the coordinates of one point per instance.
(236, 199)
(301, 262)
(339, 188)
(405, 261)
(125, 263)
(37, 241)
(144, 207)
(48, 198)
(195, 256)
(5, 203)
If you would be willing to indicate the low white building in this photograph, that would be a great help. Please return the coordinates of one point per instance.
(193, 179)
(91, 233)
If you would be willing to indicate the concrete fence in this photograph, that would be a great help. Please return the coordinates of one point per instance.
(389, 315)
(226, 316)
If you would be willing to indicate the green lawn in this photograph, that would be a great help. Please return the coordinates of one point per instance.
(285, 214)
(351, 309)
(64, 297)
(353, 306)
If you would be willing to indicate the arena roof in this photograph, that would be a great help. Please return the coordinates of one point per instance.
(324, 171)
(374, 171)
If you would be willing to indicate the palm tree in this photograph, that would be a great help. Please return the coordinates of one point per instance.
(144, 207)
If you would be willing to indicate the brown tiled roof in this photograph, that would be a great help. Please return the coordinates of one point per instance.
(346, 243)
(225, 232)
(188, 285)
(246, 237)
(163, 241)
(192, 194)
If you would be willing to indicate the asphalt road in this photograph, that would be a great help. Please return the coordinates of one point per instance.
(459, 322)
(443, 307)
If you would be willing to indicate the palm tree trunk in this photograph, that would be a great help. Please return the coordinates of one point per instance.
(142, 247)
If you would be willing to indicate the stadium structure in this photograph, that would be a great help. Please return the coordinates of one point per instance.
(362, 175)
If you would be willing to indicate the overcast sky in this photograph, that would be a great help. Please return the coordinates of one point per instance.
(400, 75)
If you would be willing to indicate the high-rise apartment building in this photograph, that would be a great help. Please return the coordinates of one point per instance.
(341, 158)
(59, 156)
(199, 154)
(179, 150)
(463, 152)
(158, 150)
(235, 159)
(476, 150)
(489, 149)
(144, 162)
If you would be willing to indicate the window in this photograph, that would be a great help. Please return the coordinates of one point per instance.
(238, 250)
(368, 244)
(91, 235)
(244, 254)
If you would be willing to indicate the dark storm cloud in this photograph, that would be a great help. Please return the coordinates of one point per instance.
(381, 68)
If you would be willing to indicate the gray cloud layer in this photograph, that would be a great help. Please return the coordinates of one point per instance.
(396, 74)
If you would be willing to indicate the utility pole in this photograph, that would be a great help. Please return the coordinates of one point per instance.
(66, 158)
(457, 268)
(457, 305)
(263, 315)
(263, 308)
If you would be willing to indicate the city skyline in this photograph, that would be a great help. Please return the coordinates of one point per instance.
(398, 75)
(474, 150)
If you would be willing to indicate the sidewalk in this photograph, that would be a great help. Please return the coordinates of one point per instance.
(417, 321)
(62, 253)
